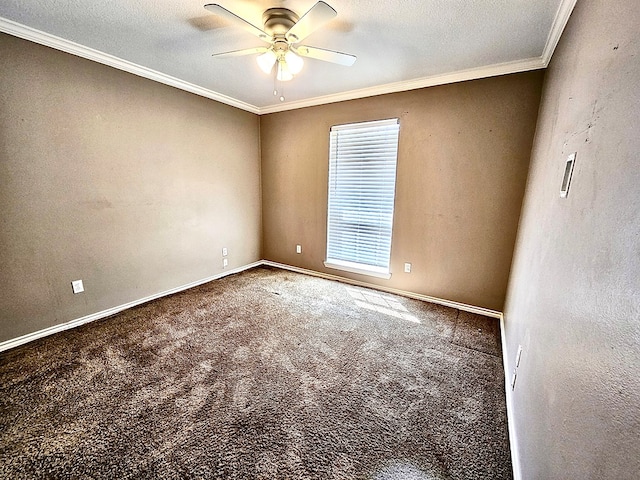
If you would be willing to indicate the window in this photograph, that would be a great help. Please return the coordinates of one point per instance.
(362, 184)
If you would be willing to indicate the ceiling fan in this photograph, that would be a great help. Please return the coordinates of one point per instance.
(283, 31)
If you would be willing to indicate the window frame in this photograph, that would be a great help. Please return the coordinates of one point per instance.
(390, 127)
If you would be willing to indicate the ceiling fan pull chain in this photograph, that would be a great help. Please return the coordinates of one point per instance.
(275, 82)
(277, 86)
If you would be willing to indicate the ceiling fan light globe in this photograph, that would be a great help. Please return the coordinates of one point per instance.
(294, 62)
(266, 61)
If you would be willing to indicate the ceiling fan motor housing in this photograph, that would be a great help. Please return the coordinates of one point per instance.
(278, 21)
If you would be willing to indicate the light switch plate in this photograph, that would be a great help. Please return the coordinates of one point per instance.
(298, 248)
(568, 173)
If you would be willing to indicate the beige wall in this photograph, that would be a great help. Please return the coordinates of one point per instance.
(130, 185)
(574, 294)
(462, 166)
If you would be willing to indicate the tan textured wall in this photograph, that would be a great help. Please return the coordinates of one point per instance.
(463, 159)
(574, 294)
(125, 183)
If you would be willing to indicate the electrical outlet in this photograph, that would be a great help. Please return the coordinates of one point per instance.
(407, 268)
(224, 252)
(298, 248)
(77, 286)
(225, 263)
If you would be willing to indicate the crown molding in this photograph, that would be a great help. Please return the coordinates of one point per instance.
(459, 76)
(535, 63)
(559, 23)
(43, 38)
(48, 40)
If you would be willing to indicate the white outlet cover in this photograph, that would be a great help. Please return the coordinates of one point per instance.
(407, 268)
(298, 248)
(77, 286)
(224, 252)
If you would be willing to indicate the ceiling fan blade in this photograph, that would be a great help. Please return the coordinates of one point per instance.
(239, 21)
(316, 17)
(326, 55)
(239, 53)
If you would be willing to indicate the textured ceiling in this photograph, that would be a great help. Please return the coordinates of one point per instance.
(399, 44)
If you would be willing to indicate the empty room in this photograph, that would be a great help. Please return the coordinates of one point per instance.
(290, 239)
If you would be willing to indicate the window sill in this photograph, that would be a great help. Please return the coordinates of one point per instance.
(358, 268)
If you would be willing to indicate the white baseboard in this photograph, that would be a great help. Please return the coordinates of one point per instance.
(417, 296)
(29, 337)
(15, 342)
(513, 442)
(513, 438)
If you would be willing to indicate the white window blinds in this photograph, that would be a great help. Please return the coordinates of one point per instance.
(362, 180)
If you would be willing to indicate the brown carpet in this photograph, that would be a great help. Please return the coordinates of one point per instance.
(263, 374)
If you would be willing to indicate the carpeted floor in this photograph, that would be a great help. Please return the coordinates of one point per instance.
(263, 374)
